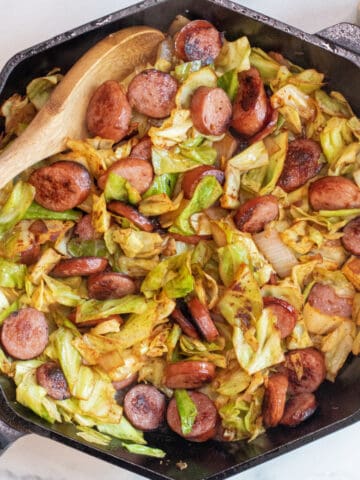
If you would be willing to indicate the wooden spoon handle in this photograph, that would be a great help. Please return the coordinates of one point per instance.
(63, 116)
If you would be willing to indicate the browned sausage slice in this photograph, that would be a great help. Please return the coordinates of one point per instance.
(253, 215)
(250, 108)
(198, 40)
(84, 228)
(270, 125)
(108, 285)
(142, 149)
(305, 368)
(190, 239)
(189, 374)
(334, 193)
(50, 376)
(274, 399)
(144, 407)
(299, 408)
(301, 164)
(131, 214)
(192, 177)
(109, 113)
(83, 266)
(202, 319)
(25, 334)
(324, 298)
(121, 384)
(152, 93)
(205, 425)
(285, 314)
(61, 186)
(186, 326)
(210, 110)
(351, 237)
(31, 255)
(139, 173)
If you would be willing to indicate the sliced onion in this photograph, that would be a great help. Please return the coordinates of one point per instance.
(276, 252)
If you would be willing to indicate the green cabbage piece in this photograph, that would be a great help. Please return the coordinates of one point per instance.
(254, 156)
(137, 243)
(266, 65)
(173, 275)
(231, 257)
(16, 206)
(36, 211)
(144, 450)
(92, 436)
(308, 81)
(93, 309)
(195, 349)
(123, 431)
(183, 70)
(229, 83)
(181, 159)
(232, 383)
(187, 410)
(348, 161)
(334, 138)
(101, 404)
(234, 56)
(197, 151)
(172, 131)
(38, 90)
(276, 163)
(206, 193)
(242, 418)
(333, 104)
(12, 275)
(61, 292)
(162, 184)
(87, 248)
(117, 188)
(7, 310)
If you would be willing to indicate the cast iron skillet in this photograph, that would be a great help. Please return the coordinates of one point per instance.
(334, 51)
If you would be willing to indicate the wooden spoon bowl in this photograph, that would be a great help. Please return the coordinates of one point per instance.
(64, 114)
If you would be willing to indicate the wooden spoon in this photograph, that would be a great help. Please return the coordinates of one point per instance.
(64, 114)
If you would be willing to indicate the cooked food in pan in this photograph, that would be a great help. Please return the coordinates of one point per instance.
(195, 260)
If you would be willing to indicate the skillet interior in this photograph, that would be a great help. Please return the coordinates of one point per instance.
(340, 402)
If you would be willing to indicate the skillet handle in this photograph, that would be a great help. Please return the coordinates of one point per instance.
(11, 427)
(346, 35)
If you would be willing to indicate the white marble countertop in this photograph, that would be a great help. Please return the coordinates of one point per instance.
(27, 22)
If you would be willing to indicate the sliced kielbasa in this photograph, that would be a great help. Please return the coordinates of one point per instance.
(301, 164)
(190, 239)
(142, 149)
(305, 368)
(84, 228)
(50, 376)
(61, 185)
(203, 320)
(270, 126)
(25, 334)
(139, 173)
(31, 255)
(144, 407)
(253, 215)
(189, 374)
(210, 110)
(250, 108)
(126, 382)
(152, 93)
(109, 113)
(192, 177)
(83, 266)
(131, 214)
(334, 193)
(351, 237)
(198, 40)
(205, 425)
(109, 285)
(298, 408)
(324, 298)
(274, 399)
(285, 313)
(186, 326)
